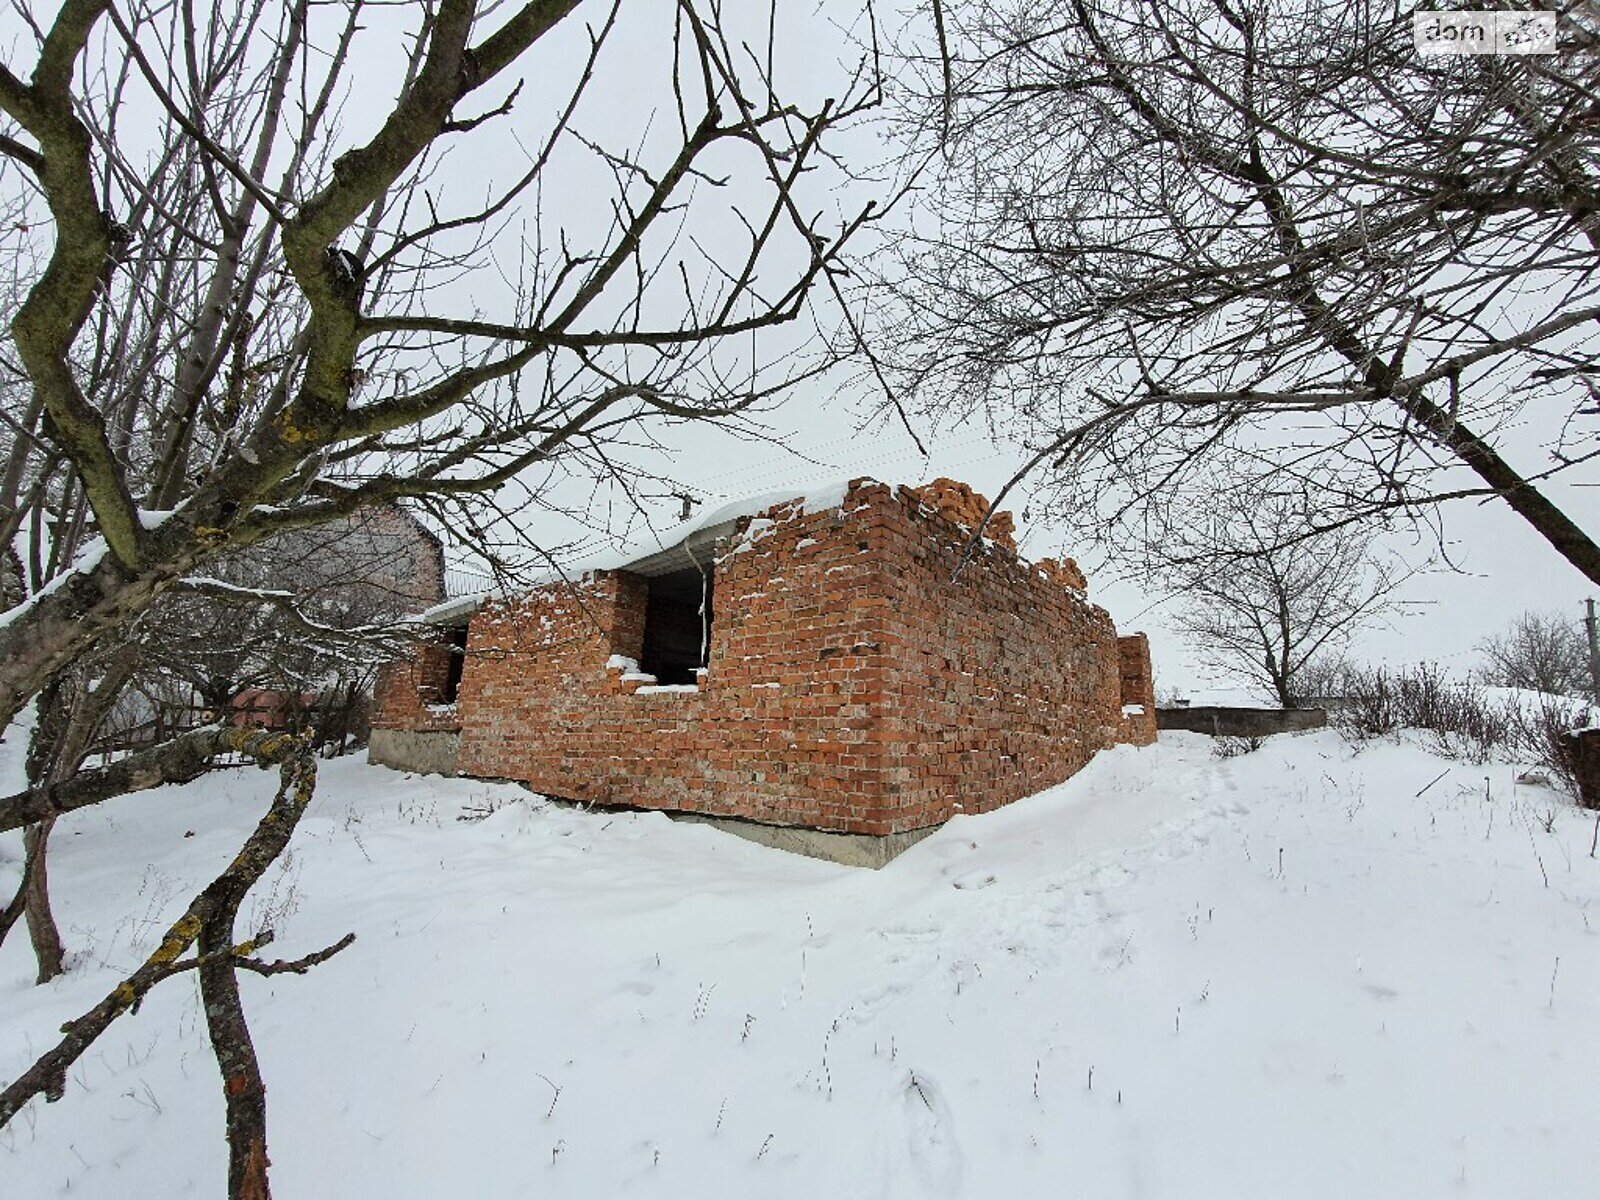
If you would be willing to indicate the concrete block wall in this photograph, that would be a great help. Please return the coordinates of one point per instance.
(1223, 721)
(851, 685)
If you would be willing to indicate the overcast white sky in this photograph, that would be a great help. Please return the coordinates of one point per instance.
(831, 428)
(828, 430)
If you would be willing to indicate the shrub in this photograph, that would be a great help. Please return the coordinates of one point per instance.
(1463, 720)
(1231, 747)
(1460, 719)
(1537, 737)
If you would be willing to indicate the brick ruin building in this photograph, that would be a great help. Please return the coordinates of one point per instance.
(818, 674)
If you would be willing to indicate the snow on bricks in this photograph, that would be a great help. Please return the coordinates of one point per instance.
(853, 681)
(410, 694)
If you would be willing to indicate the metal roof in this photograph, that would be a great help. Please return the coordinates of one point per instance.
(697, 550)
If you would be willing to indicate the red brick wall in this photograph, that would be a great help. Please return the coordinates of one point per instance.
(406, 695)
(851, 685)
(1002, 680)
(1138, 690)
(778, 731)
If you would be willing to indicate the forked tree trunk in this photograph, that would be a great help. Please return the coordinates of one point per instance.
(69, 715)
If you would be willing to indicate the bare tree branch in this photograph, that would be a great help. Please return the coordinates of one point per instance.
(1159, 243)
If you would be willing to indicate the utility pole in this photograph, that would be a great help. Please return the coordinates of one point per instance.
(1593, 630)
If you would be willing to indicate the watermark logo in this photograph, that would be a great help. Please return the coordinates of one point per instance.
(1484, 32)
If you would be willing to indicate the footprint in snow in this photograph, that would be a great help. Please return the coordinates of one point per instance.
(911, 933)
(973, 880)
(931, 1146)
(871, 1003)
(1220, 773)
(1109, 876)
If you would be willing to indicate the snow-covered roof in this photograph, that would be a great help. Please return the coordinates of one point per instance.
(661, 551)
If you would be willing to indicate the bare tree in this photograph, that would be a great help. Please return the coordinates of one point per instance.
(71, 708)
(1195, 243)
(1264, 602)
(238, 308)
(1543, 652)
(309, 611)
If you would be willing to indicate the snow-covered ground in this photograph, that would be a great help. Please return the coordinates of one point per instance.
(1284, 974)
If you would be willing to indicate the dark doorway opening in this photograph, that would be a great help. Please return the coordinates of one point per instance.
(455, 639)
(677, 626)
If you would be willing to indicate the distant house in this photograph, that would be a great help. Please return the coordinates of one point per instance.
(364, 569)
(814, 668)
(376, 563)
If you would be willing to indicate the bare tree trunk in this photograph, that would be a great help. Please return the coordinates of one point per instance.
(208, 920)
(49, 736)
(69, 715)
(243, 1089)
(42, 928)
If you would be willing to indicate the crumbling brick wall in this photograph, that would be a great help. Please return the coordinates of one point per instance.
(1003, 678)
(964, 508)
(1138, 690)
(778, 730)
(409, 694)
(852, 684)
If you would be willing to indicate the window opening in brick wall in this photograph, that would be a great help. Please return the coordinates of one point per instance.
(677, 626)
(455, 639)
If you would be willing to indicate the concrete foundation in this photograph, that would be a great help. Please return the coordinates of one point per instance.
(427, 752)
(434, 753)
(847, 849)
